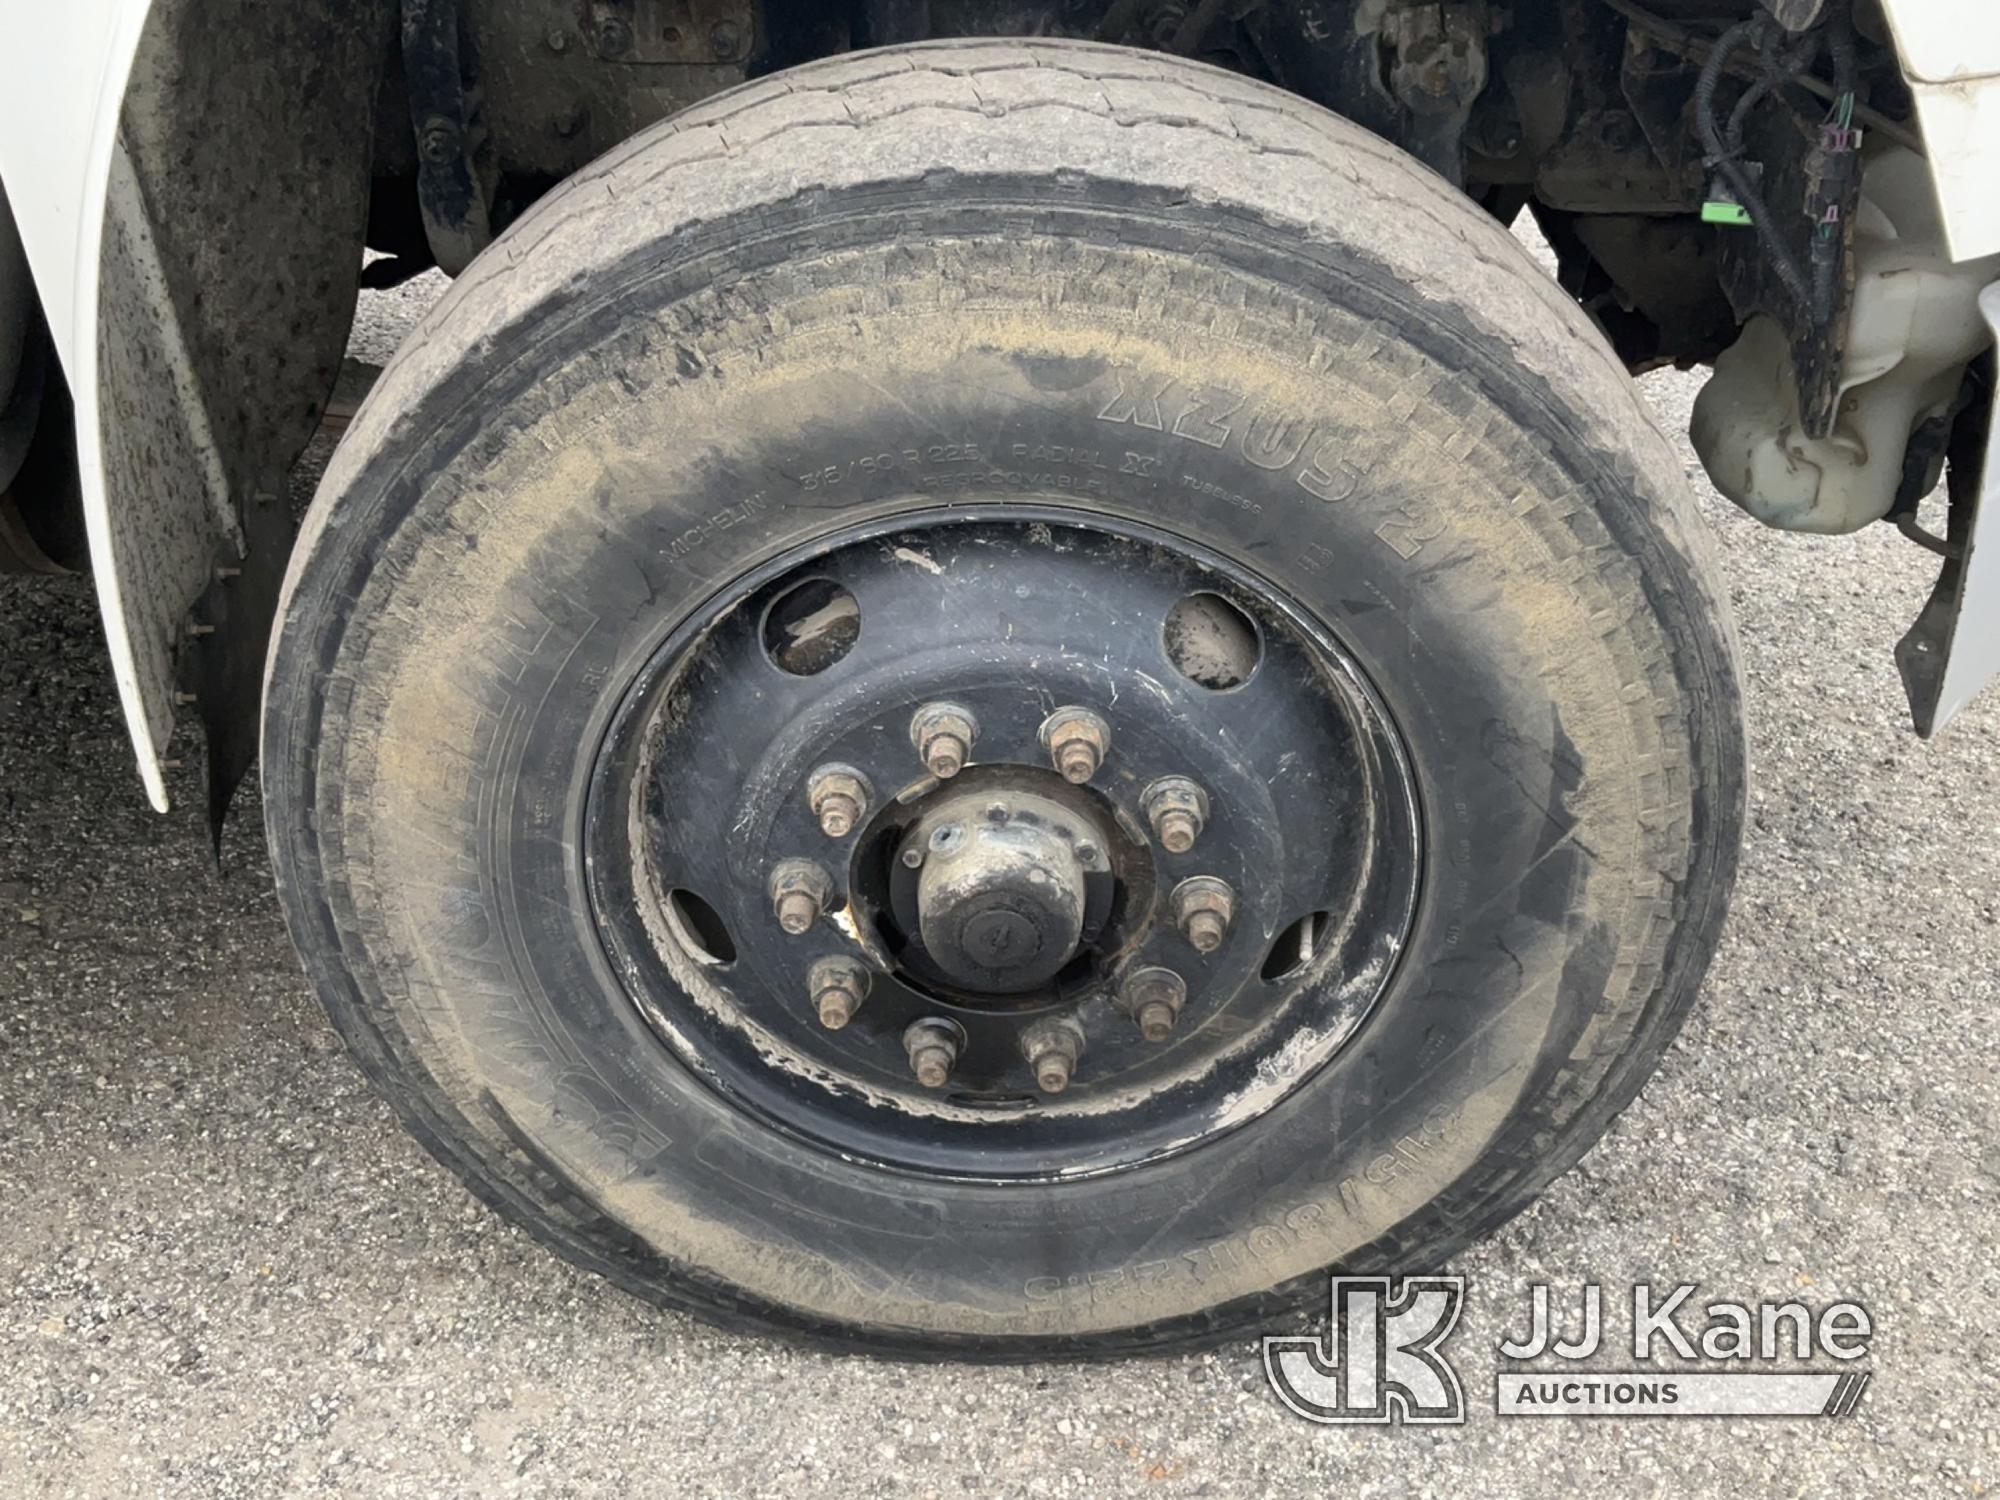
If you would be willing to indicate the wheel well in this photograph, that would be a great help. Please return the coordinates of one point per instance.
(265, 149)
(270, 143)
(41, 518)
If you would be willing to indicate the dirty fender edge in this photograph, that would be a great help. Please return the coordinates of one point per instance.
(60, 91)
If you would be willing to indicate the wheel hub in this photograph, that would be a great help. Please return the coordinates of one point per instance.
(1072, 844)
(1001, 892)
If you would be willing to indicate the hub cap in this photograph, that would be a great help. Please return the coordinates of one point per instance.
(1000, 890)
(1003, 847)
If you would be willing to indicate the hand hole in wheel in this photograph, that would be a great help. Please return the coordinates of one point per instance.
(699, 928)
(811, 626)
(1211, 642)
(1296, 946)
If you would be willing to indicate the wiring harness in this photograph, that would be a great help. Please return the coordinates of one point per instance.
(1837, 151)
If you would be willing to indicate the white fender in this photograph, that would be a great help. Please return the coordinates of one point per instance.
(62, 77)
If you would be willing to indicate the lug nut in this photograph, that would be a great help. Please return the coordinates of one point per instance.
(1052, 1048)
(838, 985)
(800, 891)
(1153, 998)
(933, 1048)
(1203, 909)
(797, 912)
(839, 796)
(943, 734)
(1077, 740)
(1177, 809)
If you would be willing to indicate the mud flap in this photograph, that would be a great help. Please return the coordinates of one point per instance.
(1953, 649)
(229, 631)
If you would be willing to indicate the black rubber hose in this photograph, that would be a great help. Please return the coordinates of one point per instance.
(1840, 43)
(1767, 49)
(1776, 63)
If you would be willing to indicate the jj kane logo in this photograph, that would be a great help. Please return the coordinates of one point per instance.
(1382, 1360)
(1383, 1357)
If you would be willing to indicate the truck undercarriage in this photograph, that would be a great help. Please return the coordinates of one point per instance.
(1697, 167)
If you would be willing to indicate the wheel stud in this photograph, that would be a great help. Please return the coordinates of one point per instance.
(1203, 909)
(1153, 998)
(839, 798)
(1052, 1048)
(943, 734)
(933, 1049)
(1178, 811)
(800, 891)
(838, 985)
(1077, 740)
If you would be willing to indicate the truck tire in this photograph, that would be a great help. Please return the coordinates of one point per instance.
(1000, 700)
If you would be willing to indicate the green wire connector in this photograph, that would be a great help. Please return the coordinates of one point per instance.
(1722, 211)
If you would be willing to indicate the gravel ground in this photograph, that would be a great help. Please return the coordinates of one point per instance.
(227, 1272)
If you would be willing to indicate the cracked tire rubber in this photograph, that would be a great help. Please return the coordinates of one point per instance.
(1005, 271)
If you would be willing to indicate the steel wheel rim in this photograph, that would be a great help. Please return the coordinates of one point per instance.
(748, 1025)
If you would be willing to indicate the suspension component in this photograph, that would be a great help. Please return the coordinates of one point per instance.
(800, 891)
(1153, 998)
(1052, 1048)
(1203, 909)
(943, 734)
(1077, 740)
(838, 986)
(839, 796)
(932, 1045)
(1178, 811)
